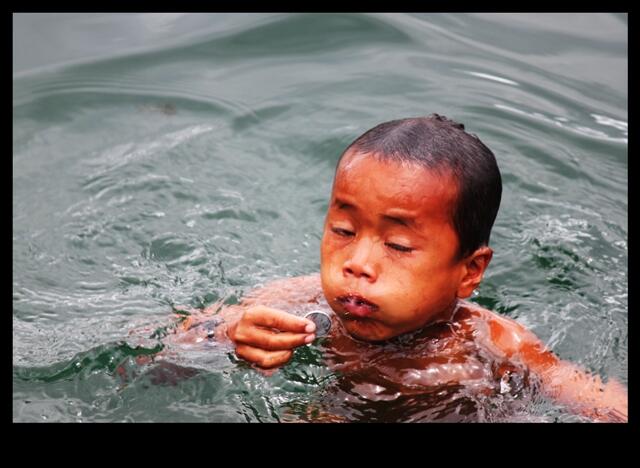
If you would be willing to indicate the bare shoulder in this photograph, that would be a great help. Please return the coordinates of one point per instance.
(285, 292)
(503, 335)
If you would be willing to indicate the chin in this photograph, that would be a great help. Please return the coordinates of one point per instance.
(365, 330)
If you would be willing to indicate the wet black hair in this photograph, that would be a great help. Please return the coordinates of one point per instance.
(440, 144)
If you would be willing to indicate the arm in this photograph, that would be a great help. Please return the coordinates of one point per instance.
(561, 380)
(260, 328)
(587, 394)
(283, 294)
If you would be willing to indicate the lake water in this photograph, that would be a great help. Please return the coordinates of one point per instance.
(181, 159)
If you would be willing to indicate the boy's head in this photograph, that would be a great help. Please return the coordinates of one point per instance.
(408, 225)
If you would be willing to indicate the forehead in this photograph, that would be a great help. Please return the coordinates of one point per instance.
(379, 186)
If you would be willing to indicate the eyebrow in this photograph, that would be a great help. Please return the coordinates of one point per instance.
(397, 219)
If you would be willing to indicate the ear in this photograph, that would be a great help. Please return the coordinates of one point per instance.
(473, 269)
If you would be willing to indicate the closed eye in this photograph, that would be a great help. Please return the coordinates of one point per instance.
(398, 247)
(342, 232)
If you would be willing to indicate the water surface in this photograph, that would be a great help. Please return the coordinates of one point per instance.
(181, 159)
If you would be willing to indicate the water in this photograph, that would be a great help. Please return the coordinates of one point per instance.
(174, 159)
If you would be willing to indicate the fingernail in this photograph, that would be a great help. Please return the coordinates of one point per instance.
(310, 328)
(309, 338)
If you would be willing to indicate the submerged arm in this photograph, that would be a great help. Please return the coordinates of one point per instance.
(262, 327)
(585, 393)
(561, 380)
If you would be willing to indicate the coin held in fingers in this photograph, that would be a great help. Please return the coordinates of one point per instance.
(322, 321)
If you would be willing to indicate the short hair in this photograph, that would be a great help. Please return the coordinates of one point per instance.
(438, 143)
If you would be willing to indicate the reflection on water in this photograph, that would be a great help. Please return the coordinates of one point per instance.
(181, 159)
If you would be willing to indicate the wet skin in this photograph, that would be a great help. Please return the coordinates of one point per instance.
(460, 350)
(389, 266)
(388, 240)
(390, 271)
(474, 348)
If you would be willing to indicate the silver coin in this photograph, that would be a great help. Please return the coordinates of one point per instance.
(322, 321)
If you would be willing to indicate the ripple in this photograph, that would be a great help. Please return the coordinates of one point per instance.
(62, 301)
(187, 170)
(60, 100)
(490, 77)
(258, 116)
(171, 249)
(124, 154)
(611, 122)
(562, 122)
(322, 33)
(230, 213)
(103, 358)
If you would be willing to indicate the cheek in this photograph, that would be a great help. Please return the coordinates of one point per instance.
(419, 282)
(325, 253)
(329, 250)
(437, 291)
(327, 260)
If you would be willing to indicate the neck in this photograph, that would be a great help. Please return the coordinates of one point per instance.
(448, 314)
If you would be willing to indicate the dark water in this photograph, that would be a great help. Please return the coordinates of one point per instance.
(182, 159)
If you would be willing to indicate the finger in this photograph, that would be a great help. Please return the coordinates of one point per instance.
(270, 340)
(274, 318)
(265, 359)
(187, 322)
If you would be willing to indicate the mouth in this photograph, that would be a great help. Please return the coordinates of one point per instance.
(357, 305)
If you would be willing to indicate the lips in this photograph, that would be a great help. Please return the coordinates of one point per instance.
(357, 305)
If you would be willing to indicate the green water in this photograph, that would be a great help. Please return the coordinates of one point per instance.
(182, 159)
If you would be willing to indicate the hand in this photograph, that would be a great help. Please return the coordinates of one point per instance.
(267, 337)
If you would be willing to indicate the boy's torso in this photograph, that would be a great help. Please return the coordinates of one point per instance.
(457, 352)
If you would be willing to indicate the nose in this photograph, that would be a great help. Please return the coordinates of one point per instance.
(359, 264)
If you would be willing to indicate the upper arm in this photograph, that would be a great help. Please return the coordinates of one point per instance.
(516, 342)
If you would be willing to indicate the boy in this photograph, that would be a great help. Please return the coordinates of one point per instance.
(405, 242)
